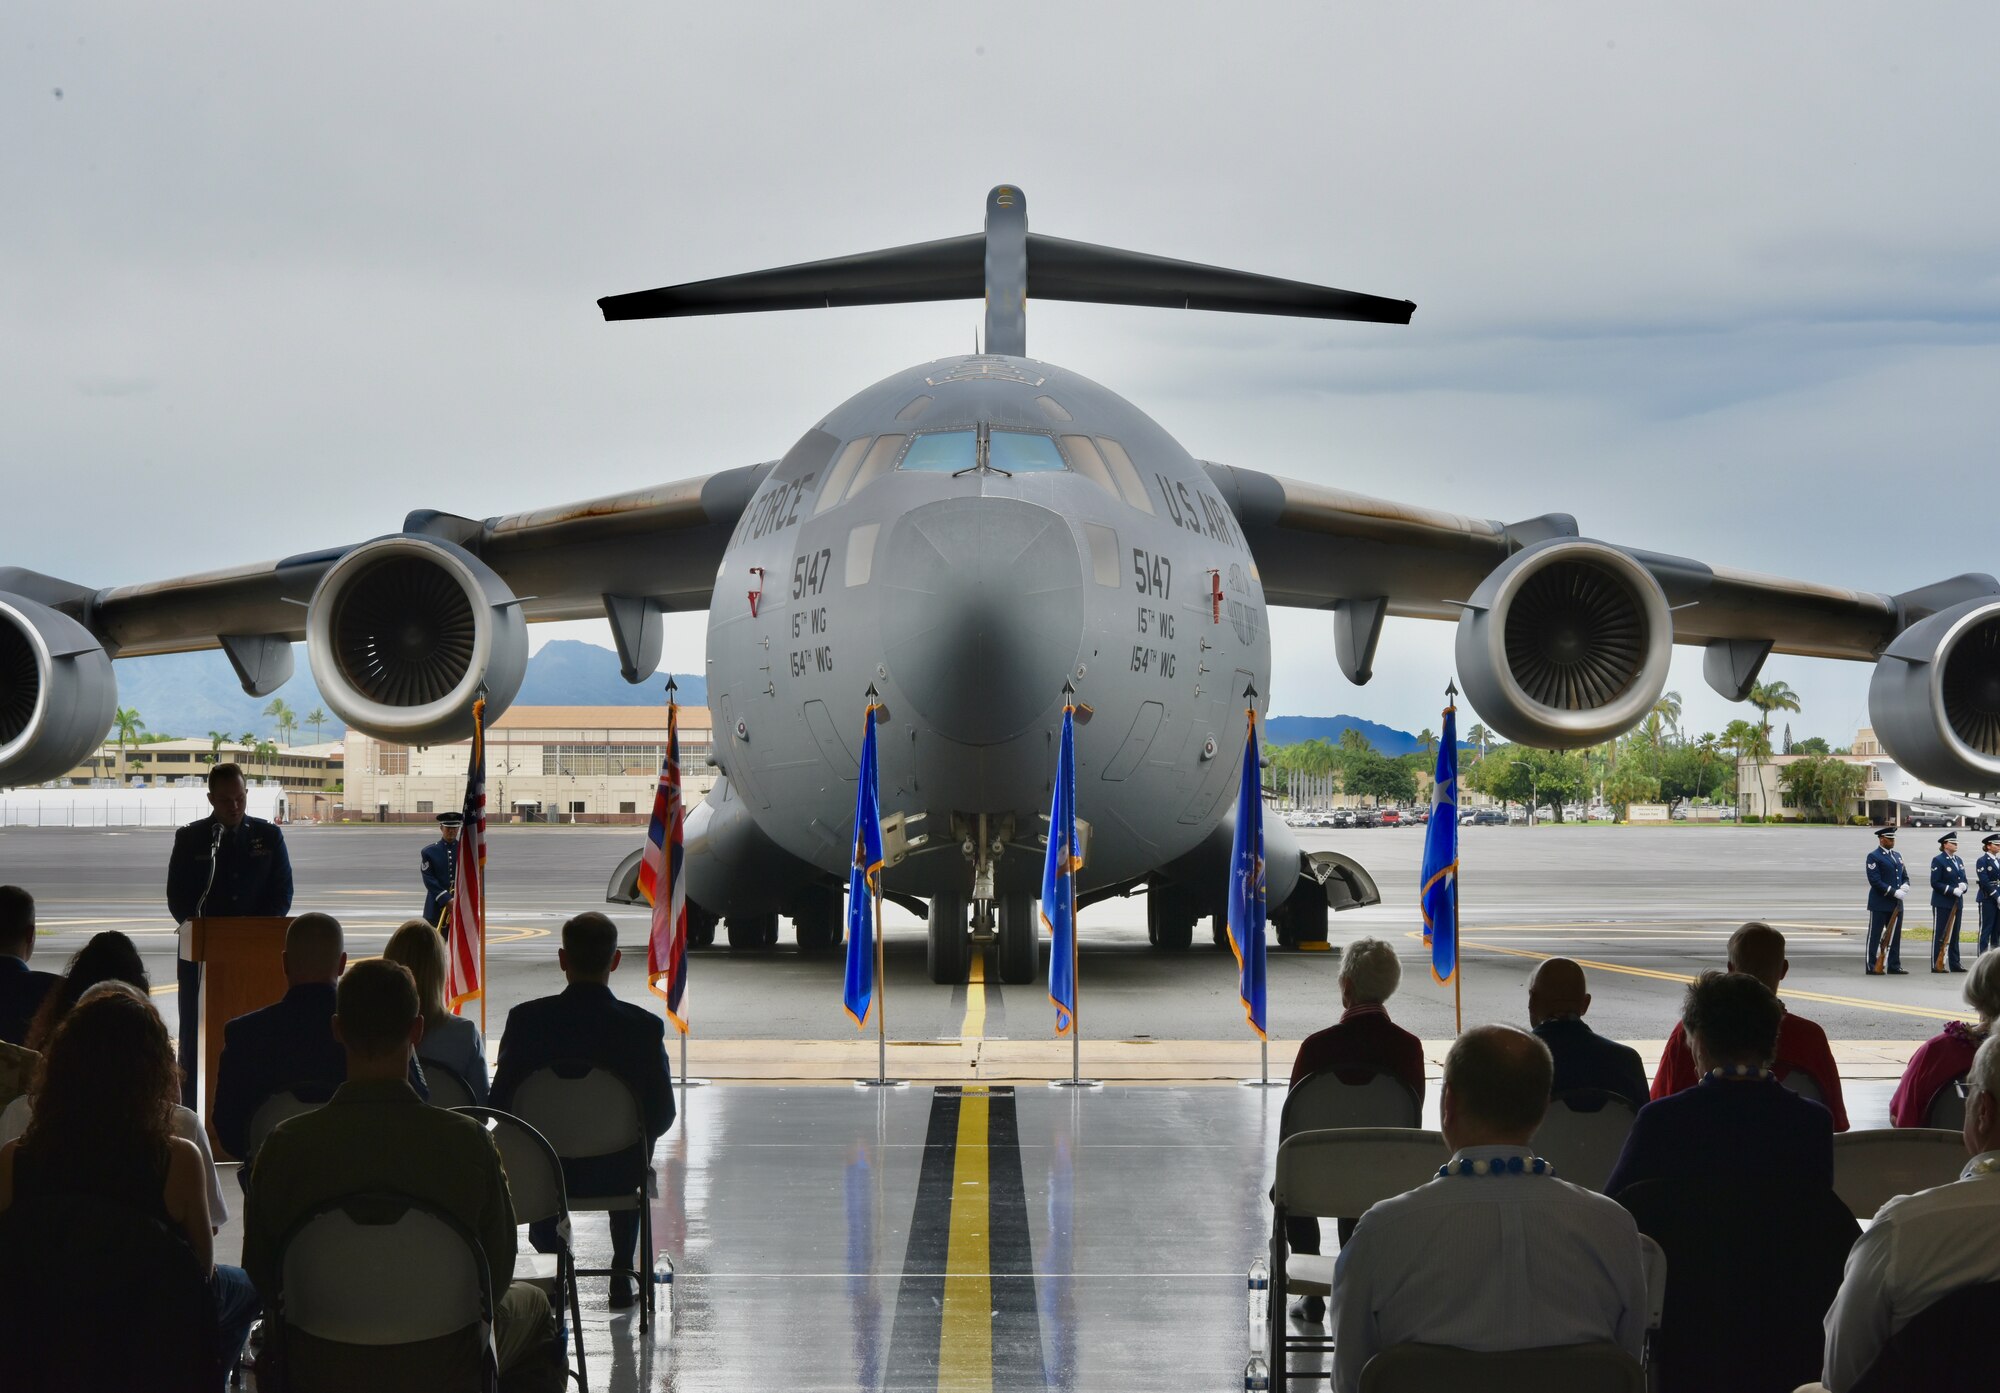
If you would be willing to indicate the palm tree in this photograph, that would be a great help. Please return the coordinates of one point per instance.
(126, 725)
(1477, 734)
(1772, 696)
(1668, 709)
(1355, 742)
(285, 718)
(216, 740)
(1427, 739)
(315, 718)
(266, 755)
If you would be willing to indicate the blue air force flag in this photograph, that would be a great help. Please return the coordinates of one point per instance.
(1438, 881)
(1059, 879)
(1246, 885)
(862, 878)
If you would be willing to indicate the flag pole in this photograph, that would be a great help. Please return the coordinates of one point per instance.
(881, 999)
(479, 720)
(1057, 838)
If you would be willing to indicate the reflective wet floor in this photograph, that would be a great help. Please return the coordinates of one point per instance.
(956, 1238)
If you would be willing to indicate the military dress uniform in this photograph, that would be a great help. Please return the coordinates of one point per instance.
(1988, 870)
(1888, 883)
(1948, 883)
(253, 878)
(438, 865)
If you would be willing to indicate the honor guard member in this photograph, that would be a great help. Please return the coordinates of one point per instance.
(438, 865)
(226, 865)
(1988, 869)
(1888, 887)
(1947, 904)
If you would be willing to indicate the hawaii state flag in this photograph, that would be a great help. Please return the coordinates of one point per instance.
(858, 993)
(1437, 895)
(1246, 884)
(465, 948)
(660, 881)
(1059, 879)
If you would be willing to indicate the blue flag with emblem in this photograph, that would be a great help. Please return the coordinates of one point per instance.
(1246, 883)
(1437, 895)
(858, 995)
(1059, 878)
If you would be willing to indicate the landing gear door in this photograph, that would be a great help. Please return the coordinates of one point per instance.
(1346, 882)
(624, 886)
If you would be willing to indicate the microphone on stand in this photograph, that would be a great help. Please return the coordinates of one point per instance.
(214, 852)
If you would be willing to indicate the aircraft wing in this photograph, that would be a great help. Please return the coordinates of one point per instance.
(404, 630)
(1563, 640)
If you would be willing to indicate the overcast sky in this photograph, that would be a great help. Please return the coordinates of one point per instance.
(1721, 280)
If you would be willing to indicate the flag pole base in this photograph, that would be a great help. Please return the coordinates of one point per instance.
(1076, 1083)
(683, 1081)
(1263, 1083)
(881, 1083)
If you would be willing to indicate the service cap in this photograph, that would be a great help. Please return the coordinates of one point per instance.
(1888, 832)
(1948, 839)
(1989, 839)
(450, 819)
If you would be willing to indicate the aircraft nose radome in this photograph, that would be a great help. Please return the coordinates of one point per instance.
(982, 614)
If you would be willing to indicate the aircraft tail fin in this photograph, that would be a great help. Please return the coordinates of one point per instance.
(1005, 264)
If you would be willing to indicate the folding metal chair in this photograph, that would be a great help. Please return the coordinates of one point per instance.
(1871, 1168)
(587, 1113)
(1363, 1097)
(1947, 1110)
(383, 1271)
(535, 1183)
(1654, 1257)
(448, 1087)
(1329, 1174)
(1583, 1134)
(293, 1100)
(1803, 1084)
(1438, 1369)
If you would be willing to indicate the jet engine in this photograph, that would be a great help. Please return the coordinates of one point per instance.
(404, 632)
(57, 694)
(1566, 644)
(1935, 697)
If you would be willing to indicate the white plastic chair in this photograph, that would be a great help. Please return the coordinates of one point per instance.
(1438, 1369)
(1322, 1100)
(1871, 1168)
(1328, 1174)
(286, 1103)
(535, 1185)
(1583, 1134)
(448, 1087)
(382, 1270)
(1805, 1085)
(1654, 1257)
(586, 1112)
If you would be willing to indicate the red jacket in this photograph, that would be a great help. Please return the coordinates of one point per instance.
(1940, 1060)
(1365, 1037)
(1801, 1045)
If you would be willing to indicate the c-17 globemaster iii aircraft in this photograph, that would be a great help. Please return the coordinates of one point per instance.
(967, 537)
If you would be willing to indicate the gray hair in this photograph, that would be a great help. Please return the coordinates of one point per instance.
(1984, 1075)
(1371, 967)
(1982, 988)
(112, 987)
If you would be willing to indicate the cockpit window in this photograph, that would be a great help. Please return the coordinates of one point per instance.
(1129, 483)
(943, 452)
(1085, 460)
(1020, 453)
(881, 455)
(842, 473)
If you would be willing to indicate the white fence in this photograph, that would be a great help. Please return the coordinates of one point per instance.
(124, 807)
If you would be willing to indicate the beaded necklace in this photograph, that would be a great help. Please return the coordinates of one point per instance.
(1499, 1165)
(1985, 1165)
(1740, 1071)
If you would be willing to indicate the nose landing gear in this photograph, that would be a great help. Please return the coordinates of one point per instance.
(1006, 918)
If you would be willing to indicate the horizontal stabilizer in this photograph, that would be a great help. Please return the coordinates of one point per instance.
(951, 269)
(1059, 269)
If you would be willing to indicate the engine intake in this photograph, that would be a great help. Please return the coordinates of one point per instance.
(1565, 645)
(57, 694)
(404, 631)
(1935, 697)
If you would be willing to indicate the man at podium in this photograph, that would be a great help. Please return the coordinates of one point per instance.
(226, 865)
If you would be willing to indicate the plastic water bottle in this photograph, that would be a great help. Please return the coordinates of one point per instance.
(663, 1278)
(1256, 1375)
(1260, 1302)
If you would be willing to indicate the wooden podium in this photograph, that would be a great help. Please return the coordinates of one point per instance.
(242, 970)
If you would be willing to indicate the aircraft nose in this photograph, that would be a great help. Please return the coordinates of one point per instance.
(982, 614)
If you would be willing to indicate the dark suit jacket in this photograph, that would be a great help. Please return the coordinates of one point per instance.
(253, 871)
(1729, 1129)
(1585, 1059)
(21, 992)
(289, 1042)
(587, 1022)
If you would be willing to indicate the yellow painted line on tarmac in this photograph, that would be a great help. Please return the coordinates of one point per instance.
(965, 1335)
(975, 1001)
(1888, 1007)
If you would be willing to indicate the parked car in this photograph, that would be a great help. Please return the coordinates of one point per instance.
(1420, 816)
(1340, 818)
(1391, 817)
(1484, 817)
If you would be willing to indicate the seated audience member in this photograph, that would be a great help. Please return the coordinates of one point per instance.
(586, 1022)
(1362, 1040)
(107, 957)
(14, 1118)
(103, 1129)
(1557, 1001)
(1496, 1253)
(288, 1042)
(21, 987)
(1942, 1060)
(1739, 1122)
(377, 1135)
(452, 1041)
(1925, 1246)
(1759, 950)
(17, 1070)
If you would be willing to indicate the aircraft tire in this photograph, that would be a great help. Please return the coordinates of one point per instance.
(817, 925)
(1218, 929)
(701, 927)
(1305, 915)
(1020, 940)
(946, 953)
(748, 932)
(1170, 917)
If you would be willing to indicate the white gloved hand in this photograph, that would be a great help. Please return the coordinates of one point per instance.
(1902, 892)
(1958, 889)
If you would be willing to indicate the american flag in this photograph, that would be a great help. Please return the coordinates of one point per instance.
(465, 955)
(661, 882)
